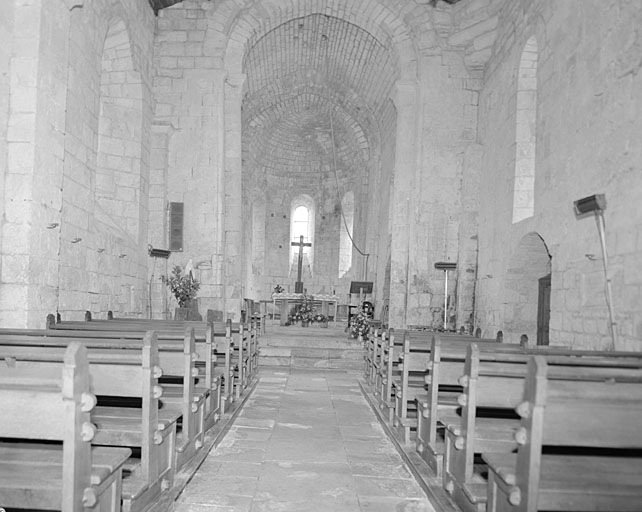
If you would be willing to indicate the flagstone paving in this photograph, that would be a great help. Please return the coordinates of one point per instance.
(305, 441)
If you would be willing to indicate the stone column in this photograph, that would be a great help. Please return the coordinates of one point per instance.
(35, 152)
(233, 208)
(406, 100)
(157, 233)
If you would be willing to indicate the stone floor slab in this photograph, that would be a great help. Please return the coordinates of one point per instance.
(306, 441)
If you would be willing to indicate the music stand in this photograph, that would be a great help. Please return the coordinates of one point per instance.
(445, 266)
(363, 288)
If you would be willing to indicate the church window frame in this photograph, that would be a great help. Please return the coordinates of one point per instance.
(525, 132)
(300, 202)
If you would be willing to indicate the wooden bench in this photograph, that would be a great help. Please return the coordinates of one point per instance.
(178, 356)
(586, 408)
(248, 331)
(372, 356)
(53, 403)
(439, 405)
(122, 370)
(167, 332)
(226, 336)
(409, 386)
(493, 384)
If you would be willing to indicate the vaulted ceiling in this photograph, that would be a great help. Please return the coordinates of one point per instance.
(309, 80)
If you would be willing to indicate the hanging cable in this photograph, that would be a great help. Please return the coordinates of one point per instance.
(336, 176)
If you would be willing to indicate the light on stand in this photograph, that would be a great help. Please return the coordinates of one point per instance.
(596, 204)
(445, 266)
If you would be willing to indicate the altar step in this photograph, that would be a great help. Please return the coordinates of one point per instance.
(311, 347)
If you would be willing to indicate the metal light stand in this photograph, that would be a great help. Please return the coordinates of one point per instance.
(601, 228)
(445, 266)
(596, 204)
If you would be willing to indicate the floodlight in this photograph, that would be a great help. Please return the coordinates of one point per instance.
(159, 253)
(596, 204)
(590, 204)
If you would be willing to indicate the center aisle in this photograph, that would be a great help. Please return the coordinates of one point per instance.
(305, 441)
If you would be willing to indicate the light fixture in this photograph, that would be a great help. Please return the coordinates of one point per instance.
(445, 266)
(123, 255)
(101, 250)
(589, 204)
(76, 240)
(596, 204)
(52, 225)
(158, 253)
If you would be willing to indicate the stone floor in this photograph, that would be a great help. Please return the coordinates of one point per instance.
(305, 441)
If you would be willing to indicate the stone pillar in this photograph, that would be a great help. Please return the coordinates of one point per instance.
(233, 208)
(35, 152)
(406, 100)
(157, 226)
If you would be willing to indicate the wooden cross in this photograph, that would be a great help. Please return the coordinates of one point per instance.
(301, 245)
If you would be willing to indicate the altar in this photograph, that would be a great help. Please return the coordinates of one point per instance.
(285, 300)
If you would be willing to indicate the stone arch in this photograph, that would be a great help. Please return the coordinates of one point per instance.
(525, 132)
(530, 262)
(119, 158)
(253, 22)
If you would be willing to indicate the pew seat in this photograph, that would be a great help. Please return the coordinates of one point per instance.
(52, 464)
(31, 474)
(577, 482)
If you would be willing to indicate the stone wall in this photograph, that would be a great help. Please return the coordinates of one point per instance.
(589, 101)
(60, 250)
(189, 93)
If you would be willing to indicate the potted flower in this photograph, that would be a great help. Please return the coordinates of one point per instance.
(278, 289)
(303, 312)
(184, 288)
(321, 319)
(359, 327)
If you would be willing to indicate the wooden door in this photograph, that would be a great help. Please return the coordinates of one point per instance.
(543, 309)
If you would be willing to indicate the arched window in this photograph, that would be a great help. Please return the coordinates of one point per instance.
(346, 230)
(302, 224)
(526, 133)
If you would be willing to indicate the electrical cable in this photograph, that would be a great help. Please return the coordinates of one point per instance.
(336, 176)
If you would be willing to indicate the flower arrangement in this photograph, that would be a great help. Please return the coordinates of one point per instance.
(303, 312)
(278, 289)
(358, 324)
(182, 286)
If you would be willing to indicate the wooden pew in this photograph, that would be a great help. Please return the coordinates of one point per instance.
(413, 366)
(52, 402)
(580, 407)
(249, 331)
(121, 368)
(243, 348)
(200, 403)
(494, 382)
(372, 357)
(439, 405)
(391, 346)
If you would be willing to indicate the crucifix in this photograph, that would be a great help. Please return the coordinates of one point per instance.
(298, 286)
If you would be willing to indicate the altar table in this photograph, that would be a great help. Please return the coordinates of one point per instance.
(285, 299)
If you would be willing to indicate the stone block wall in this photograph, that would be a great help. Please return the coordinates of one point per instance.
(189, 93)
(60, 250)
(589, 101)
